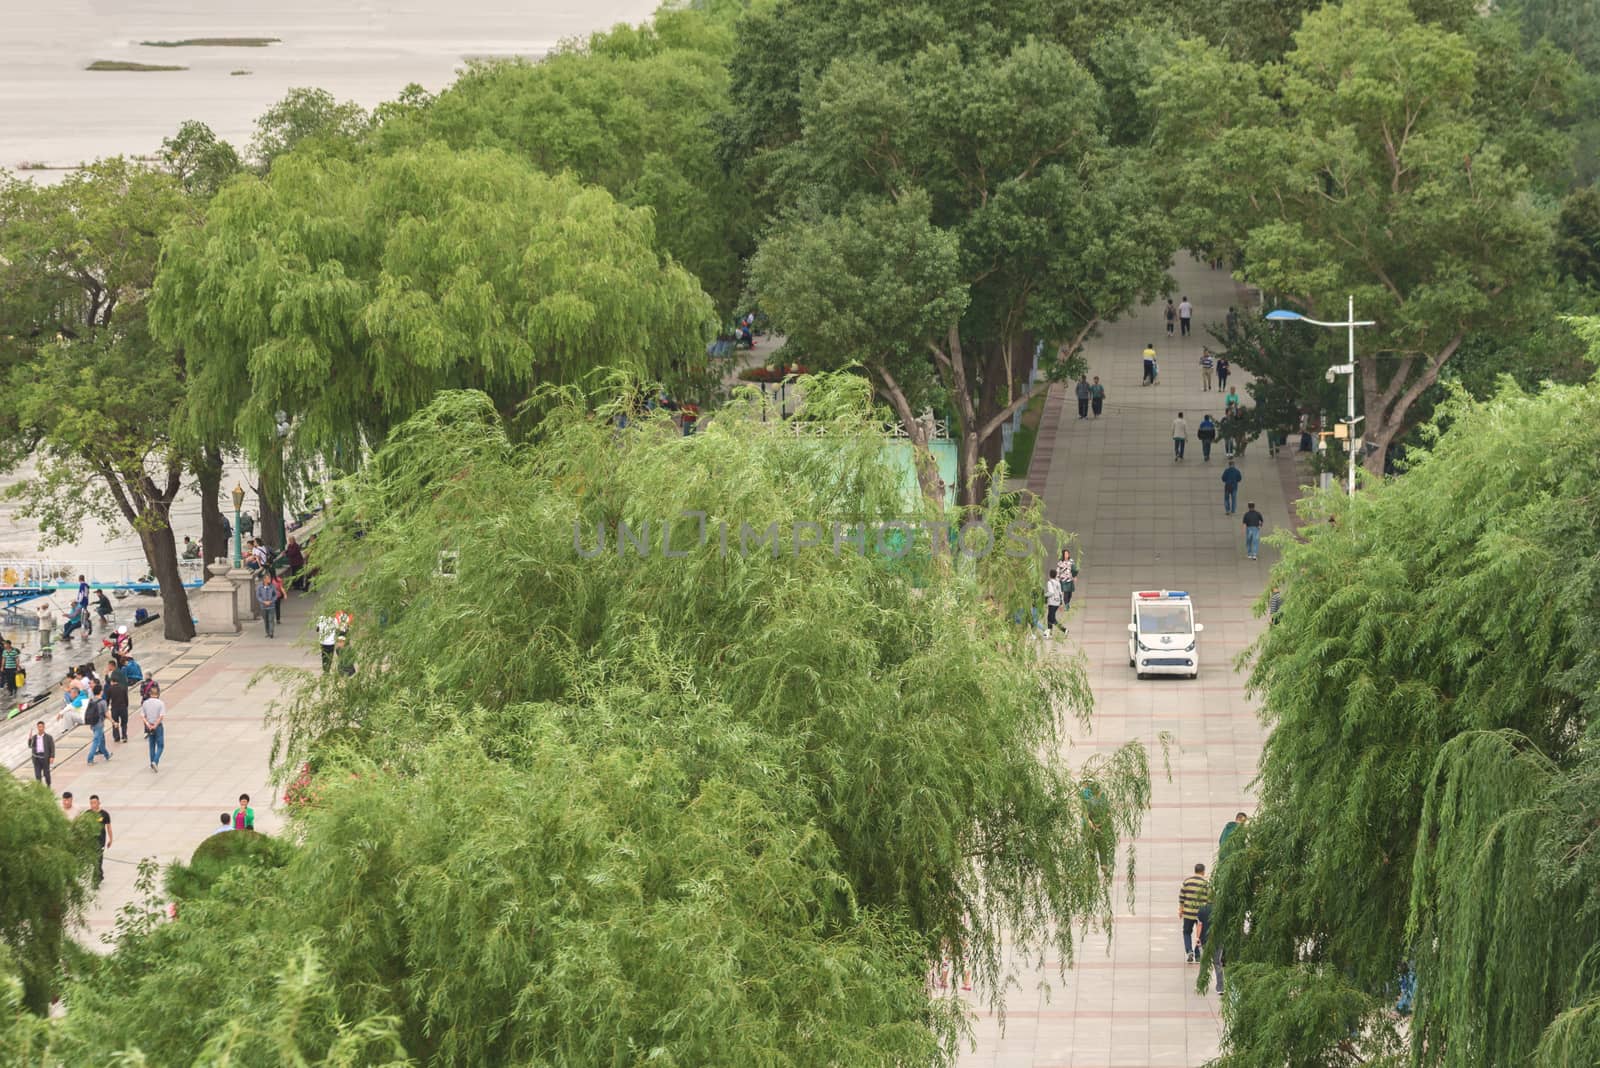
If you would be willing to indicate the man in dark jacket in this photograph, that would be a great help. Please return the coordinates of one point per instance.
(42, 748)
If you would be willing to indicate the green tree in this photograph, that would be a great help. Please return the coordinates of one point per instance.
(629, 110)
(1430, 686)
(92, 399)
(1578, 237)
(1373, 162)
(1052, 224)
(202, 163)
(199, 159)
(310, 117)
(862, 288)
(723, 809)
(346, 295)
(45, 866)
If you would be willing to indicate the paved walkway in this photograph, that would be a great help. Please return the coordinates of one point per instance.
(1144, 522)
(216, 748)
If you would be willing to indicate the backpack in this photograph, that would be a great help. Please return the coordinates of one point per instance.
(95, 714)
(140, 615)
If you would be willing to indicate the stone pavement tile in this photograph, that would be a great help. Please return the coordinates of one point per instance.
(1143, 522)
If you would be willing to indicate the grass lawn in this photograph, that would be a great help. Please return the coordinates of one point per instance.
(1021, 453)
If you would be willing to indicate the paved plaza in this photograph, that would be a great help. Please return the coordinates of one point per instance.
(217, 747)
(1145, 522)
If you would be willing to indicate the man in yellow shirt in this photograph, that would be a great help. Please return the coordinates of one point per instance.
(1196, 892)
(1149, 366)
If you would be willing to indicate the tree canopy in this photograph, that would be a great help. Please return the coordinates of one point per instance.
(1048, 225)
(346, 295)
(724, 808)
(1379, 160)
(629, 110)
(45, 864)
(1431, 686)
(94, 401)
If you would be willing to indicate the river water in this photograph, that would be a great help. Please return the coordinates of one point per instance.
(56, 113)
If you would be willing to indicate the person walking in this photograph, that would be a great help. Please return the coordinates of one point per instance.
(1231, 477)
(1224, 369)
(83, 605)
(244, 817)
(1231, 403)
(94, 717)
(1082, 390)
(1180, 435)
(47, 627)
(42, 747)
(9, 657)
(1229, 829)
(1097, 396)
(277, 606)
(104, 817)
(1172, 317)
(328, 638)
(1067, 574)
(1253, 521)
(116, 695)
(1052, 604)
(1207, 362)
(267, 598)
(1207, 433)
(1185, 313)
(295, 560)
(154, 711)
(1149, 378)
(66, 805)
(1195, 893)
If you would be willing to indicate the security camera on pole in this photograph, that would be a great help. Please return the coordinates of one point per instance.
(1352, 442)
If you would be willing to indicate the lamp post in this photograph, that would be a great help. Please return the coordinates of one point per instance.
(1346, 368)
(238, 505)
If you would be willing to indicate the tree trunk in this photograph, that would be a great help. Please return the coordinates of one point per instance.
(214, 540)
(927, 468)
(161, 553)
(269, 516)
(974, 482)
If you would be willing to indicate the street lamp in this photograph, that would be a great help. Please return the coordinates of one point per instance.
(1346, 368)
(238, 504)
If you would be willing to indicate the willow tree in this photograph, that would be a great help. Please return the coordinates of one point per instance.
(628, 110)
(345, 296)
(718, 808)
(93, 400)
(46, 863)
(1429, 686)
(1378, 161)
(1007, 145)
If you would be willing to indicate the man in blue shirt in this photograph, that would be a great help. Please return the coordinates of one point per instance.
(1231, 477)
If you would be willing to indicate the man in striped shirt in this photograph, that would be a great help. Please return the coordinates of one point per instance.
(1196, 892)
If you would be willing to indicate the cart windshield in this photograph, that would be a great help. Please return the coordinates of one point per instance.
(1164, 619)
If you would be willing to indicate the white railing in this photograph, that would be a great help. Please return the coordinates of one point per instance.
(36, 571)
